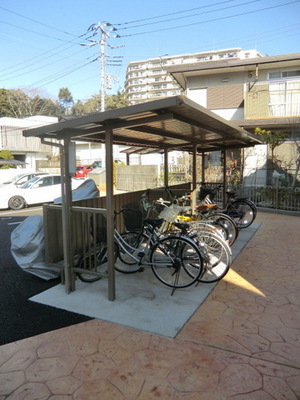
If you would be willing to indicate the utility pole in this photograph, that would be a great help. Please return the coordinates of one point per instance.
(104, 31)
(103, 37)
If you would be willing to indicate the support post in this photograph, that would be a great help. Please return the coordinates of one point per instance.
(194, 178)
(166, 167)
(110, 213)
(66, 216)
(224, 176)
(203, 167)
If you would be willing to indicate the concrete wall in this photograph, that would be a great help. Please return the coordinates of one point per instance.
(136, 177)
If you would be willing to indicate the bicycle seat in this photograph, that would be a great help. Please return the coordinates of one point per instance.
(206, 207)
(181, 225)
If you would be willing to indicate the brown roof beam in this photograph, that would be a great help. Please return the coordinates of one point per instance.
(132, 123)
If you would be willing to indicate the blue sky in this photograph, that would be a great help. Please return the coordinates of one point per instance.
(43, 43)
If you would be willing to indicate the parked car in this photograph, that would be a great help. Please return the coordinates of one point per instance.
(20, 179)
(39, 189)
(83, 170)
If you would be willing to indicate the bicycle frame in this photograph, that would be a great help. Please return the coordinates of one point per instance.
(153, 236)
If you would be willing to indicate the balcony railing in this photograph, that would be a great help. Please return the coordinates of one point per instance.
(265, 101)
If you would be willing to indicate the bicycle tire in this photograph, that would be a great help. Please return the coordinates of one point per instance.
(94, 261)
(217, 256)
(253, 205)
(128, 265)
(176, 261)
(242, 212)
(227, 223)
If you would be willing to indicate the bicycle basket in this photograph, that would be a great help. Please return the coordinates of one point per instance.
(170, 214)
(133, 216)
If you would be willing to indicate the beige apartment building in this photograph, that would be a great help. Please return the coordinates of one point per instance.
(148, 80)
(259, 92)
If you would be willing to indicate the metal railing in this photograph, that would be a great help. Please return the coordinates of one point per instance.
(273, 197)
(88, 228)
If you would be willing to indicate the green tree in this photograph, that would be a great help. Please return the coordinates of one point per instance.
(20, 104)
(6, 154)
(272, 138)
(65, 99)
(93, 104)
(118, 100)
(87, 107)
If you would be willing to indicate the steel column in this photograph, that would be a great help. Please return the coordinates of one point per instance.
(110, 213)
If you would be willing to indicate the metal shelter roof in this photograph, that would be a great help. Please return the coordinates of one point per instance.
(174, 123)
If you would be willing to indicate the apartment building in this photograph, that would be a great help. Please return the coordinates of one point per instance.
(28, 150)
(259, 92)
(149, 79)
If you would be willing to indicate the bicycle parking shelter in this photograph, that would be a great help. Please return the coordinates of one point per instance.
(175, 123)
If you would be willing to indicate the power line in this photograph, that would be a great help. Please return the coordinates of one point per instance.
(193, 15)
(33, 61)
(37, 22)
(36, 33)
(173, 13)
(38, 68)
(57, 75)
(211, 20)
(263, 36)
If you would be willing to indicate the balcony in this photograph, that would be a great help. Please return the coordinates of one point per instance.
(273, 100)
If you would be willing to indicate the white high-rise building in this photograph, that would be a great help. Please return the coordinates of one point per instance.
(148, 80)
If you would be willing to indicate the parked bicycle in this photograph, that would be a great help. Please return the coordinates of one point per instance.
(241, 209)
(205, 214)
(215, 252)
(176, 261)
(209, 237)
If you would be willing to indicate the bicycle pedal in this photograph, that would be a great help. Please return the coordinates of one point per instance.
(141, 269)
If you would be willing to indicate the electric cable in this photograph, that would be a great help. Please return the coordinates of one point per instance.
(193, 15)
(37, 22)
(173, 13)
(211, 20)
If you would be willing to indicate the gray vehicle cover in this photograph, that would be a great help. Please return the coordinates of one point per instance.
(87, 190)
(28, 248)
(28, 241)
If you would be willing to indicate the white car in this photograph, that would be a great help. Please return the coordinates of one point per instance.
(19, 179)
(39, 189)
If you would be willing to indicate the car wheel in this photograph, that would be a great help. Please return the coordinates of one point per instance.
(16, 203)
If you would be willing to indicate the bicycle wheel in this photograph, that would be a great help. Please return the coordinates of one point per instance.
(227, 224)
(176, 261)
(242, 212)
(94, 262)
(205, 225)
(137, 242)
(217, 256)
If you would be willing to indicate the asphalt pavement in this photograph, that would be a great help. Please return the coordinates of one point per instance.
(21, 318)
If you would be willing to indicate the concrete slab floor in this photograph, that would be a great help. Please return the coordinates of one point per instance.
(242, 343)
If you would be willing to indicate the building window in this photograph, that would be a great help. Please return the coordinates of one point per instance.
(283, 74)
(289, 74)
(274, 75)
(284, 99)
